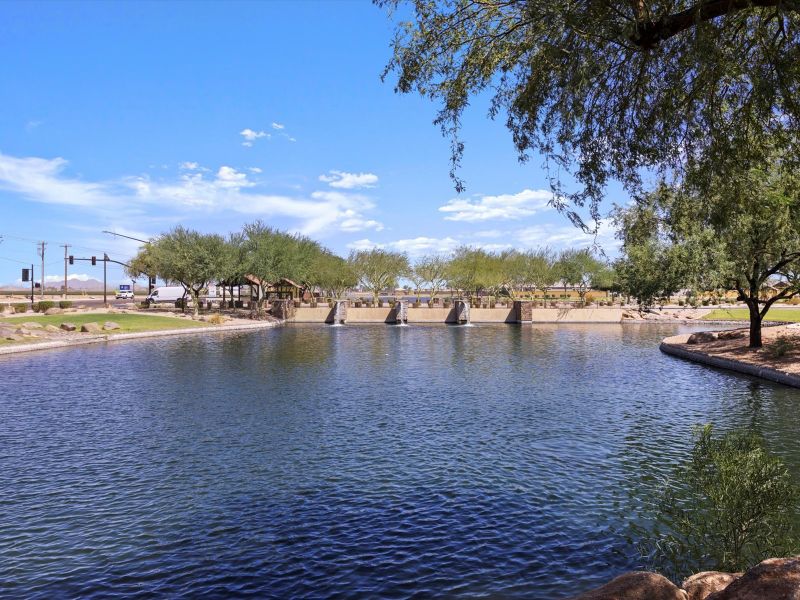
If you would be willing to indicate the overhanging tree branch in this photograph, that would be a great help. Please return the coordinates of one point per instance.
(649, 34)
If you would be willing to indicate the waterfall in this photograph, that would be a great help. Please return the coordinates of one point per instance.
(401, 312)
(339, 312)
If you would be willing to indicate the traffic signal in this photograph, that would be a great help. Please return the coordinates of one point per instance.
(26, 274)
(37, 285)
(71, 259)
(94, 261)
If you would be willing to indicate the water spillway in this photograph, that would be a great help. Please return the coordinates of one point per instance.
(339, 312)
(462, 311)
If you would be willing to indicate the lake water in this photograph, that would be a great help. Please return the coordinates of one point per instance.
(372, 461)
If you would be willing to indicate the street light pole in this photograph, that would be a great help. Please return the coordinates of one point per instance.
(105, 270)
(149, 278)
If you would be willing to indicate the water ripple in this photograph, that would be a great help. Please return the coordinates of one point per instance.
(350, 462)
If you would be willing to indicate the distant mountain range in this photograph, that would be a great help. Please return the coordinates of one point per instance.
(74, 284)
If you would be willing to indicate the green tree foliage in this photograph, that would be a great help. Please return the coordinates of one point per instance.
(473, 270)
(539, 269)
(578, 268)
(736, 237)
(187, 257)
(272, 255)
(333, 275)
(730, 506)
(379, 269)
(605, 89)
(431, 271)
(143, 264)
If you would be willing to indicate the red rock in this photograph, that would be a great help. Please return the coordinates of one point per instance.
(701, 585)
(637, 585)
(772, 579)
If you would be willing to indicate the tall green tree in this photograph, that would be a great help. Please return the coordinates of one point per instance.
(272, 255)
(432, 271)
(605, 89)
(379, 269)
(738, 237)
(333, 275)
(473, 270)
(578, 268)
(190, 258)
(539, 269)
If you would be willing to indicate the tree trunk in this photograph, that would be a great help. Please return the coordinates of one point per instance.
(755, 325)
(196, 303)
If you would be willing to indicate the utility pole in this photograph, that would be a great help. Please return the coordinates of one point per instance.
(42, 246)
(105, 268)
(66, 259)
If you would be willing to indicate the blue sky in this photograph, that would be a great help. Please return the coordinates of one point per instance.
(136, 117)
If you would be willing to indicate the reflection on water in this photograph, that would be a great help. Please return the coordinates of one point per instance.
(358, 460)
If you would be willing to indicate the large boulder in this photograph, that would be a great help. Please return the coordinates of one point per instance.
(701, 585)
(636, 585)
(54, 311)
(68, 326)
(52, 329)
(32, 325)
(772, 579)
(110, 326)
(91, 327)
(702, 336)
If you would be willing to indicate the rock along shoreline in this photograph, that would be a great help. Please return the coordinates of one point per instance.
(730, 352)
(114, 337)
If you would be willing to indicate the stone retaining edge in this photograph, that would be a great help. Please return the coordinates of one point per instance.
(112, 337)
(732, 365)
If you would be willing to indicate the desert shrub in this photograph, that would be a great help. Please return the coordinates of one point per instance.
(65, 304)
(216, 319)
(781, 346)
(21, 307)
(681, 302)
(43, 305)
(793, 301)
(730, 506)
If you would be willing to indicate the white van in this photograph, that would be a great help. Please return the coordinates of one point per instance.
(170, 294)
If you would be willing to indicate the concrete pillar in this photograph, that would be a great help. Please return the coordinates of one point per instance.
(401, 312)
(462, 311)
(523, 309)
(339, 312)
(283, 309)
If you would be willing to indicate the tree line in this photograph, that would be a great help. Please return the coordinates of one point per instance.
(265, 256)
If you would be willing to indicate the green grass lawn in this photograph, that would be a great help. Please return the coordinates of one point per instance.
(742, 314)
(129, 323)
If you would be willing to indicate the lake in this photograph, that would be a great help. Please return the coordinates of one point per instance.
(355, 461)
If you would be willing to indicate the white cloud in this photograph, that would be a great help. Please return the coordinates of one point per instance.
(43, 180)
(278, 126)
(503, 207)
(255, 170)
(251, 136)
(349, 181)
(413, 246)
(357, 224)
(189, 166)
(569, 236)
(228, 177)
